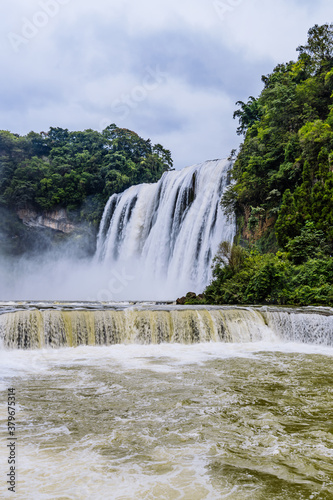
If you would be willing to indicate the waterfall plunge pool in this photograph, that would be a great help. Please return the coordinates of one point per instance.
(172, 421)
(245, 418)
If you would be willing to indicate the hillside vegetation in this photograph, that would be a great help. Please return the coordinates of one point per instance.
(78, 171)
(282, 193)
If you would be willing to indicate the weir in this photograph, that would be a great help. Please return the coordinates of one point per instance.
(302, 326)
(65, 327)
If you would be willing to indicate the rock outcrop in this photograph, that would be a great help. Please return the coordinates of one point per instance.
(55, 219)
(190, 298)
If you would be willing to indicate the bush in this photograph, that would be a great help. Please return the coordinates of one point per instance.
(269, 279)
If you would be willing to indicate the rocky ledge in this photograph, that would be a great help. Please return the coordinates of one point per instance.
(191, 298)
(55, 219)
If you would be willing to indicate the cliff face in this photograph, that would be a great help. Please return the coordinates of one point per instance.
(56, 220)
(31, 232)
(261, 224)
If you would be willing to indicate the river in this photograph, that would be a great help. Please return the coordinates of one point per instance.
(245, 419)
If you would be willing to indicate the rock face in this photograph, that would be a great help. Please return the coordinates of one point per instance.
(56, 219)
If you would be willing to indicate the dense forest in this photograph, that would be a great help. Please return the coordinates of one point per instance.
(282, 192)
(77, 171)
(62, 169)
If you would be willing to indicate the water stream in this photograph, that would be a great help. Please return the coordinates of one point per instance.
(144, 401)
(164, 236)
(240, 408)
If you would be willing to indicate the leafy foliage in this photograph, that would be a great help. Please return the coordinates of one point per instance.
(271, 279)
(284, 172)
(75, 170)
(311, 243)
(284, 169)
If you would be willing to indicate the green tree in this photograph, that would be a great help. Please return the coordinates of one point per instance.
(284, 167)
(319, 47)
(62, 168)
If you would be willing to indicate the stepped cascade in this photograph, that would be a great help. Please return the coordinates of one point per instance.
(70, 327)
(165, 235)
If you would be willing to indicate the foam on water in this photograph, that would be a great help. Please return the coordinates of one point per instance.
(209, 420)
(165, 235)
(160, 358)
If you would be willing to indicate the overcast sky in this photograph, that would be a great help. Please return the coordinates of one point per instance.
(171, 70)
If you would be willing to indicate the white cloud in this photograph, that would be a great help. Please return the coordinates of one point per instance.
(204, 122)
(271, 29)
(87, 56)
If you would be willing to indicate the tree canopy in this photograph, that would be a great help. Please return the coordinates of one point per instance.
(282, 189)
(76, 170)
(283, 172)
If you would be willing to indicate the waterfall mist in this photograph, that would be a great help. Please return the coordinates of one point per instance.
(54, 268)
(155, 242)
(164, 236)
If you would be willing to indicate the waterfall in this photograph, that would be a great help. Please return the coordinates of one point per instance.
(164, 236)
(57, 325)
(70, 328)
(303, 327)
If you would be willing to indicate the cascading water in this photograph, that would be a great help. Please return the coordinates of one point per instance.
(70, 325)
(301, 326)
(192, 402)
(165, 235)
(201, 402)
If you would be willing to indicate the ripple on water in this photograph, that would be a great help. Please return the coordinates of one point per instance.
(175, 422)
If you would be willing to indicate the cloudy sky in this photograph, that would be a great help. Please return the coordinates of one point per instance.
(171, 70)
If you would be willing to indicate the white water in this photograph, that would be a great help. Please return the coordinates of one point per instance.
(162, 237)
(240, 414)
(156, 242)
(49, 324)
(206, 421)
(314, 328)
(243, 416)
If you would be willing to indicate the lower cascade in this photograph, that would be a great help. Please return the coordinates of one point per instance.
(66, 327)
(163, 236)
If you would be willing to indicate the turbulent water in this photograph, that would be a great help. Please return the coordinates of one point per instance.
(164, 236)
(49, 324)
(132, 401)
(182, 403)
(206, 421)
